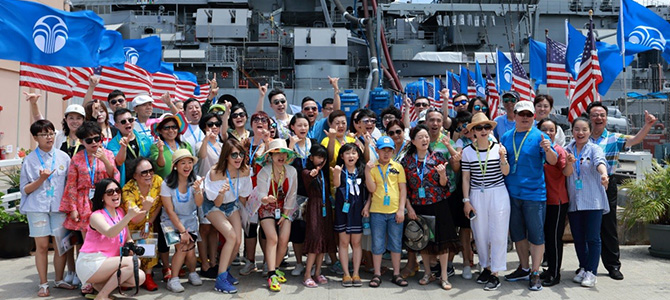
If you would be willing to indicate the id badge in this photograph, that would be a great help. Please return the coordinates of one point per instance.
(422, 192)
(323, 211)
(50, 191)
(345, 207)
(578, 184)
(513, 169)
(91, 192)
(387, 200)
(277, 213)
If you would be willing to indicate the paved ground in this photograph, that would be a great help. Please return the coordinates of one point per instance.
(646, 278)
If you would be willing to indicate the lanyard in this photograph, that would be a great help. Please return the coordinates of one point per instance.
(144, 131)
(251, 147)
(578, 160)
(188, 195)
(76, 145)
(53, 163)
(123, 231)
(384, 178)
(485, 165)
(197, 139)
(421, 171)
(397, 155)
(323, 190)
(170, 149)
(277, 183)
(212, 147)
(91, 172)
(236, 190)
(346, 182)
(518, 152)
(303, 153)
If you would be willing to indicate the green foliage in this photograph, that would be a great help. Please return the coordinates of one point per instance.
(649, 199)
(10, 217)
(13, 175)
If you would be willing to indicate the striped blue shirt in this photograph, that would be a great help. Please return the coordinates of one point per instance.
(592, 196)
(611, 144)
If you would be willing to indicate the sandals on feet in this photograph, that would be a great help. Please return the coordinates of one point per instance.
(322, 279)
(87, 289)
(427, 278)
(44, 290)
(62, 284)
(375, 281)
(399, 281)
(347, 281)
(406, 273)
(310, 283)
(445, 284)
(356, 281)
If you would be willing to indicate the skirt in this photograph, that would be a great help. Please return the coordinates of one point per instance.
(446, 236)
(319, 234)
(89, 263)
(455, 201)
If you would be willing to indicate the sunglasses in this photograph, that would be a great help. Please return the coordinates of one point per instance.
(90, 140)
(273, 125)
(48, 134)
(525, 114)
(146, 172)
(282, 101)
(482, 127)
(481, 108)
(111, 192)
(369, 121)
(459, 103)
(394, 132)
(462, 127)
(114, 101)
(508, 100)
(236, 155)
(126, 121)
(259, 119)
(310, 108)
(212, 124)
(171, 127)
(238, 115)
(421, 104)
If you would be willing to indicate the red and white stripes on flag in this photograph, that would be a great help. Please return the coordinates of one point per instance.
(204, 93)
(520, 80)
(472, 86)
(132, 81)
(492, 95)
(557, 76)
(588, 78)
(46, 78)
(162, 83)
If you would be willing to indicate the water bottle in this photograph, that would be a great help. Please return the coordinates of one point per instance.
(366, 225)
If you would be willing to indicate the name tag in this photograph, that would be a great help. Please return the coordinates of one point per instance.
(578, 184)
(422, 192)
(345, 207)
(91, 192)
(387, 200)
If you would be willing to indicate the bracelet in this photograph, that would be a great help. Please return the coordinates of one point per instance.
(286, 217)
(466, 200)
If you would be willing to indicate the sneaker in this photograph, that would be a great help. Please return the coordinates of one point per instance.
(484, 276)
(535, 283)
(492, 284)
(518, 274)
(265, 269)
(237, 261)
(69, 276)
(222, 284)
(149, 283)
(75, 280)
(589, 279)
(580, 276)
(298, 270)
(436, 269)
(281, 276)
(337, 268)
(284, 263)
(451, 271)
(273, 283)
(467, 273)
(174, 285)
(248, 268)
(232, 279)
(194, 279)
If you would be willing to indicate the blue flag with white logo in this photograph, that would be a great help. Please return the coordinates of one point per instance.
(35, 33)
(538, 62)
(111, 50)
(145, 53)
(640, 29)
(504, 72)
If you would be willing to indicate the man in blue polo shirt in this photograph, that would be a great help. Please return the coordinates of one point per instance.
(318, 128)
(528, 195)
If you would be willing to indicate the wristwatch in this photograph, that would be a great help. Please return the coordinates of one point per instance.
(466, 200)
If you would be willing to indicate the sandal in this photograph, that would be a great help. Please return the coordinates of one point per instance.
(427, 278)
(87, 289)
(62, 284)
(356, 281)
(322, 279)
(44, 290)
(375, 281)
(445, 284)
(406, 273)
(347, 281)
(310, 283)
(399, 281)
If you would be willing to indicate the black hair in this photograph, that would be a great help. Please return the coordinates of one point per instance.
(581, 119)
(360, 164)
(395, 122)
(411, 149)
(161, 124)
(121, 111)
(132, 165)
(350, 123)
(172, 180)
(364, 112)
(295, 118)
(88, 128)
(203, 121)
(471, 105)
(541, 97)
(235, 107)
(98, 201)
(40, 126)
(335, 114)
(391, 110)
(545, 120)
(461, 95)
(306, 99)
(191, 100)
(327, 101)
(461, 117)
(275, 92)
(319, 150)
(422, 97)
(596, 104)
(114, 94)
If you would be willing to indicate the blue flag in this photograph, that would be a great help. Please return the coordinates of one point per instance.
(504, 72)
(167, 68)
(640, 29)
(111, 50)
(480, 81)
(35, 33)
(145, 53)
(609, 56)
(464, 80)
(189, 77)
(538, 62)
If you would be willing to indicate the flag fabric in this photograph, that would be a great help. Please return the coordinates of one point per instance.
(640, 29)
(456, 85)
(465, 82)
(47, 78)
(132, 81)
(504, 71)
(480, 81)
(162, 83)
(589, 78)
(557, 77)
(472, 86)
(189, 77)
(185, 89)
(451, 92)
(167, 68)
(111, 50)
(438, 85)
(492, 95)
(144, 53)
(520, 81)
(38, 34)
(204, 93)
(538, 62)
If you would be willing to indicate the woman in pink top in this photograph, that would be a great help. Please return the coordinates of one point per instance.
(98, 259)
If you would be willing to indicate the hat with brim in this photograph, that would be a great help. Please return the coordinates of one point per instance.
(277, 146)
(181, 154)
(416, 234)
(220, 107)
(75, 108)
(480, 119)
(179, 118)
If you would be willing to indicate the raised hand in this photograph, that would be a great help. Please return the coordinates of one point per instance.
(165, 98)
(442, 169)
(369, 166)
(545, 144)
(649, 118)
(197, 185)
(445, 139)
(407, 102)
(100, 154)
(502, 152)
(123, 142)
(211, 136)
(331, 133)
(32, 97)
(224, 189)
(160, 145)
(262, 90)
(337, 170)
(571, 158)
(212, 83)
(333, 81)
(147, 202)
(293, 140)
(93, 80)
(44, 174)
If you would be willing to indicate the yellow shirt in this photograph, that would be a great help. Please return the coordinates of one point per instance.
(338, 145)
(396, 175)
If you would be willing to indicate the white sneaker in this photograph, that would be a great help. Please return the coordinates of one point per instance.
(580, 276)
(589, 279)
(467, 273)
(298, 270)
(174, 285)
(75, 280)
(328, 261)
(248, 268)
(194, 279)
(69, 276)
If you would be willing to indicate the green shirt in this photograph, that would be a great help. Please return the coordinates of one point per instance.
(164, 171)
(441, 148)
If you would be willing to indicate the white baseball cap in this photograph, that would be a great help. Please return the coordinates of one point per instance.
(75, 108)
(141, 99)
(524, 105)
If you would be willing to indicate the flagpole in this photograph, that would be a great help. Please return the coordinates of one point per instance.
(623, 64)
(594, 90)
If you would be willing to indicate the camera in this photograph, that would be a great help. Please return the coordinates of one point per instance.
(130, 246)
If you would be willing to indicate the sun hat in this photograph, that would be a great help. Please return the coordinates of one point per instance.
(480, 119)
(416, 234)
(220, 107)
(181, 154)
(179, 118)
(385, 142)
(277, 146)
(513, 94)
(524, 105)
(75, 108)
(141, 99)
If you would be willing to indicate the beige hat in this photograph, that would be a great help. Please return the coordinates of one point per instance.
(75, 108)
(181, 154)
(524, 105)
(480, 118)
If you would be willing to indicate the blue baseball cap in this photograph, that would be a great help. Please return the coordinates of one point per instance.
(385, 142)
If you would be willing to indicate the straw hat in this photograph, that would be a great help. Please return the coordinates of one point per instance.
(277, 146)
(181, 154)
(480, 119)
(416, 234)
(179, 118)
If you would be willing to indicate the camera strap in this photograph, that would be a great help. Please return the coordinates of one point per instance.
(136, 274)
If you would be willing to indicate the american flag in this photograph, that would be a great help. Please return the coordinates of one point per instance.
(520, 81)
(46, 78)
(204, 92)
(438, 102)
(492, 96)
(162, 83)
(557, 77)
(184, 90)
(455, 87)
(472, 87)
(133, 81)
(588, 78)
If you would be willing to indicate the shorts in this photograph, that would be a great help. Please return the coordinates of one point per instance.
(267, 211)
(298, 228)
(227, 208)
(252, 231)
(89, 263)
(201, 214)
(386, 233)
(44, 224)
(527, 220)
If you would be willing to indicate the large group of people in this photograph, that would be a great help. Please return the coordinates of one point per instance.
(212, 178)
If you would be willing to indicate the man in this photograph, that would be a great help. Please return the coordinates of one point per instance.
(420, 104)
(528, 194)
(612, 143)
(318, 128)
(115, 100)
(193, 113)
(127, 145)
(143, 107)
(506, 122)
(327, 107)
(278, 104)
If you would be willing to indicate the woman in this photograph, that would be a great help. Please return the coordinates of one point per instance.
(364, 124)
(167, 130)
(277, 189)
(236, 123)
(97, 112)
(427, 187)
(181, 194)
(588, 200)
(146, 185)
(479, 104)
(543, 106)
(98, 261)
(336, 135)
(228, 186)
(67, 140)
(396, 130)
(557, 206)
(484, 164)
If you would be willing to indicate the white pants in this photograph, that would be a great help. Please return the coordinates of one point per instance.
(491, 226)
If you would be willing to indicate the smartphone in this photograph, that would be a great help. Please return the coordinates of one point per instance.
(472, 215)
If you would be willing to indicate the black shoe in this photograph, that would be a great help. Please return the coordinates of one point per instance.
(544, 275)
(451, 271)
(578, 270)
(551, 281)
(284, 264)
(493, 283)
(436, 269)
(518, 274)
(616, 274)
(484, 276)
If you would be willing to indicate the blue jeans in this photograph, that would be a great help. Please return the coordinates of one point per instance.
(585, 227)
(527, 220)
(386, 233)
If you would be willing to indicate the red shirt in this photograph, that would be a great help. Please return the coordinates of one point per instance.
(557, 192)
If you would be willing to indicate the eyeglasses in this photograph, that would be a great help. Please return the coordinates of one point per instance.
(236, 155)
(90, 140)
(394, 132)
(212, 124)
(259, 119)
(146, 172)
(238, 115)
(462, 127)
(111, 192)
(369, 121)
(327, 108)
(171, 127)
(459, 103)
(525, 114)
(49, 134)
(421, 104)
(482, 127)
(129, 120)
(508, 100)
(282, 101)
(115, 101)
(310, 108)
(481, 108)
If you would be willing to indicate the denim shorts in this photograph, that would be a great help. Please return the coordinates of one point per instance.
(44, 224)
(227, 208)
(527, 220)
(386, 233)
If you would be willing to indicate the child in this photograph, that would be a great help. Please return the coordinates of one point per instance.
(385, 180)
(348, 176)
